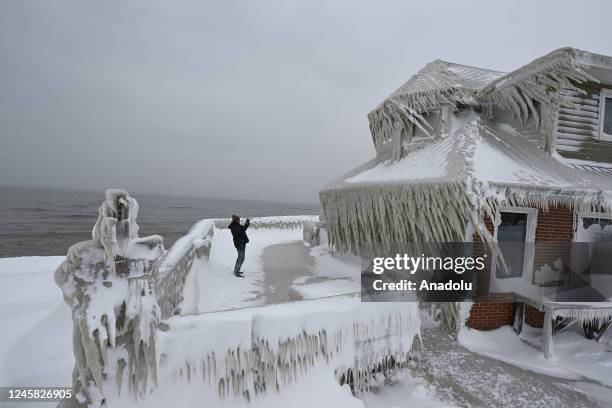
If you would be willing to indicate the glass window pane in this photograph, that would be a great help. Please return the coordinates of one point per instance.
(591, 252)
(607, 119)
(511, 235)
(513, 227)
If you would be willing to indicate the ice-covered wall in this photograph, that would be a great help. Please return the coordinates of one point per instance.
(244, 353)
(109, 284)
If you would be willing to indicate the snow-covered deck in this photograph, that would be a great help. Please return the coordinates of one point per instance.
(229, 337)
(278, 267)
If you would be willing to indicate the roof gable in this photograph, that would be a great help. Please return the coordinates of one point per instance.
(524, 92)
(438, 83)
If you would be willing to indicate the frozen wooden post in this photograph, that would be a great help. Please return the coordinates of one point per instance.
(109, 284)
(548, 333)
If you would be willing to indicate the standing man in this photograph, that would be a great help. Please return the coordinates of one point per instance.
(240, 241)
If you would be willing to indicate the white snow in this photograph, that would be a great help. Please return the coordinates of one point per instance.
(219, 289)
(578, 162)
(337, 265)
(328, 288)
(422, 164)
(36, 334)
(575, 356)
(341, 274)
(196, 234)
(211, 345)
(38, 314)
(317, 388)
(405, 392)
(597, 392)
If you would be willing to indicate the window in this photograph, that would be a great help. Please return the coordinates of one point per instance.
(601, 231)
(432, 117)
(592, 244)
(511, 234)
(514, 228)
(605, 115)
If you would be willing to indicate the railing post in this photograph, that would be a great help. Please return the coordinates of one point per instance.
(109, 284)
(548, 338)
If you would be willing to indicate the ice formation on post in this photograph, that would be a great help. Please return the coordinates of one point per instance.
(109, 284)
(311, 233)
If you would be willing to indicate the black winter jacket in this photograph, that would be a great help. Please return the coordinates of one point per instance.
(239, 233)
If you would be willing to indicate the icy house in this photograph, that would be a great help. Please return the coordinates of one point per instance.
(466, 153)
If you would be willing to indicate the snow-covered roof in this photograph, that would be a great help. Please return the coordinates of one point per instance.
(538, 82)
(588, 166)
(433, 194)
(442, 75)
(520, 91)
(490, 153)
(438, 83)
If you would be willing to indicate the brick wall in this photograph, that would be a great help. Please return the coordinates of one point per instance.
(554, 234)
(556, 224)
(490, 315)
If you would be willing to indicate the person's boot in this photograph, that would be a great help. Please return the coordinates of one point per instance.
(238, 274)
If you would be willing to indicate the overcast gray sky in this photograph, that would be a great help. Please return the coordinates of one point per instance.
(240, 99)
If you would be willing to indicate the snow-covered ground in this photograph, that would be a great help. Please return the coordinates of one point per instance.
(463, 378)
(574, 356)
(36, 349)
(36, 326)
(36, 341)
(219, 289)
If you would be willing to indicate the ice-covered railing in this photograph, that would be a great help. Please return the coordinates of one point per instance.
(176, 265)
(249, 352)
(120, 287)
(278, 222)
(177, 262)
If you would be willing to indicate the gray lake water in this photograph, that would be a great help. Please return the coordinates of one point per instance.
(37, 221)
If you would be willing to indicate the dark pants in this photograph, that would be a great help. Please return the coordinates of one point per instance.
(241, 250)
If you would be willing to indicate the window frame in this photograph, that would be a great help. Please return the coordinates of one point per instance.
(588, 214)
(579, 215)
(530, 236)
(605, 93)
